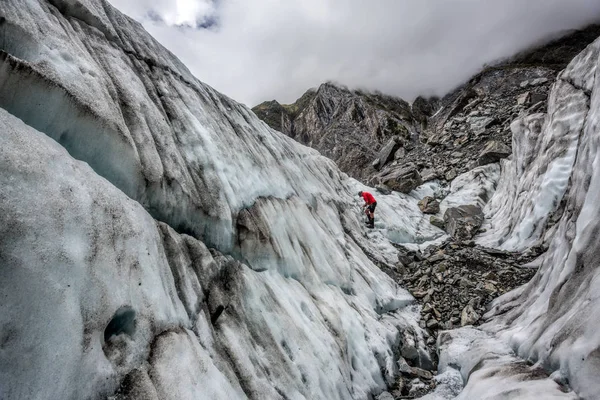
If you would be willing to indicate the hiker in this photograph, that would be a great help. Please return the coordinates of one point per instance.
(369, 206)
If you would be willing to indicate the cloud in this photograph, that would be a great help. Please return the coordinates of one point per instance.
(255, 50)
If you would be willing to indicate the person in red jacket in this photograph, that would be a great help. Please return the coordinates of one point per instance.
(369, 206)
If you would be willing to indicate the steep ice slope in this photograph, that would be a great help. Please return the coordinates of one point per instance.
(536, 178)
(553, 320)
(294, 309)
(75, 251)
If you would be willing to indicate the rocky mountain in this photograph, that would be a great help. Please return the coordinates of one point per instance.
(158, 241)
(438, 137)
(347, 126)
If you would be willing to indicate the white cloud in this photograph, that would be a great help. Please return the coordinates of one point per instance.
(266, 49)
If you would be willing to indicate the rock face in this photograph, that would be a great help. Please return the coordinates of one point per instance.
(444, 133)
(402, 178)
(353, 128)
(462, 222)
(158, 241)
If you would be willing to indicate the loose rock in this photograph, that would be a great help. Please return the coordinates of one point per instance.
(493, 152)
(462, 222)
(429, 205)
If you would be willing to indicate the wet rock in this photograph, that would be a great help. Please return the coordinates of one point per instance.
(429, 205)
(436, 221)
(493, 152)
(462, 222)
(402, 179)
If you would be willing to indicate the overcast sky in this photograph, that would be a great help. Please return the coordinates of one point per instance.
(256, 50)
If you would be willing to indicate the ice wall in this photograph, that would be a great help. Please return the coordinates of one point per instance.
(535, 179)
(97, 295)
(552, 322)
(104, 291)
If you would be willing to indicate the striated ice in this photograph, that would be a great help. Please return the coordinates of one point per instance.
(133, 195)
(541, 340)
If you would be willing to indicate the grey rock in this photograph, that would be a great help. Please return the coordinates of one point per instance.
(493, 152)
(524, 98)
(538, 97)
(479, 125)
(386, 154)
(402, 179)
(413, 372)
(436, 221)
(432, 323)
(428, 174)
(385, 396)
(429, 205)
(400, 153)
(451, 174)
(538, 81)
(468, 316)
(348, 126)
(462, 222)
(383, 189)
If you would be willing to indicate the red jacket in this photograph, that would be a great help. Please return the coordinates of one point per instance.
(368, 197)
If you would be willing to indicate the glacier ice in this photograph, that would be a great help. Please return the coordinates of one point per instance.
(206, 324)
(162, 242)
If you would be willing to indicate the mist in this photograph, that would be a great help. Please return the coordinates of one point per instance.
(257, 50)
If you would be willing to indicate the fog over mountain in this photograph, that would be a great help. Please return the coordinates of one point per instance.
(265, 49)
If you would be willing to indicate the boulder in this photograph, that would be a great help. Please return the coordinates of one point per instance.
(386, 154)
(385, 396)
(429, 205)
(413, 372)
(524, 98)
(480, 124)
(462, 222)
(451, 174)
(429, 174)
(382, 189)
(468, 316)
(538, 97)
(402, 179)
(400, 153)
(436, 221)
(493, 152)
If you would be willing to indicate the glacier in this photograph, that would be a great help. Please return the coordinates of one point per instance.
(159, 241)
(540, 340)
